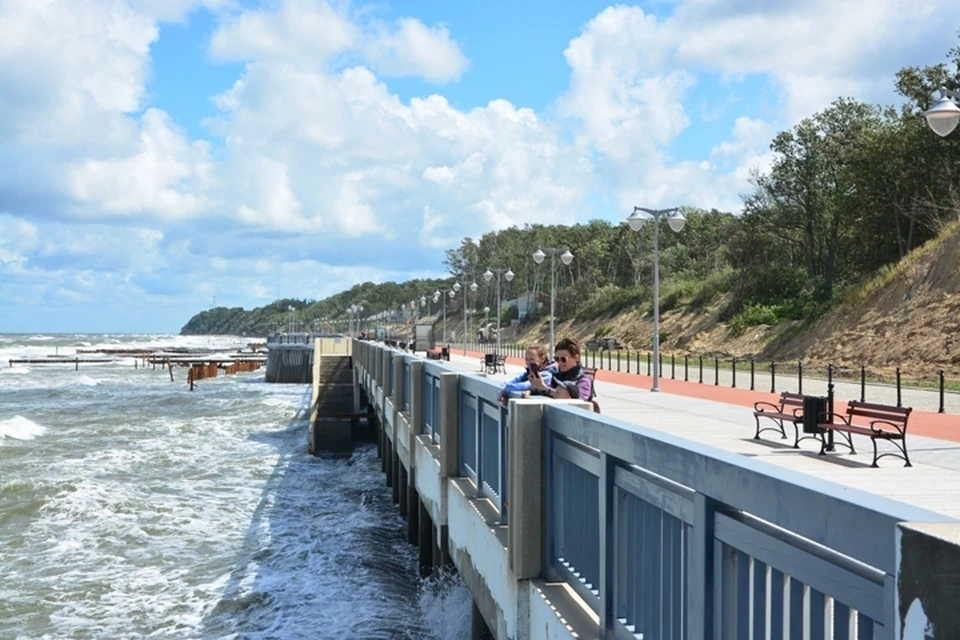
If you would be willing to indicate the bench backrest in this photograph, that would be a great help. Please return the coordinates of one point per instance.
(788, 399)
(885, 412)
(489, 359)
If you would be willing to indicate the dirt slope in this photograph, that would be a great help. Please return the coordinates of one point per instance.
(913, 321)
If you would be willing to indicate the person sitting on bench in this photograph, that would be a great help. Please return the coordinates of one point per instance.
(538, 366)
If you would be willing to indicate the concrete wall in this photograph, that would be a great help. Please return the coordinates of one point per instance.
(928, 581)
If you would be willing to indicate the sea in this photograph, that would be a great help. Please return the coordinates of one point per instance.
(132, 507)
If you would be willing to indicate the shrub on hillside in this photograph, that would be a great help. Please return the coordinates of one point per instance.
(611, 299)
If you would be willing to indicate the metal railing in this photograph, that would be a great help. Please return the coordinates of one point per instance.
(665, 538)
(857, 383)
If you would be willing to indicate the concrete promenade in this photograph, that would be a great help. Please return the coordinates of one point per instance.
(723, 418)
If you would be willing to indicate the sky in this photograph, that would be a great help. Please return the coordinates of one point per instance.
(158, 157)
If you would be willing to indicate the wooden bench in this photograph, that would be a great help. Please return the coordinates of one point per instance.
(492, 363)
(434, 354)
(876, 421)
(789, 408)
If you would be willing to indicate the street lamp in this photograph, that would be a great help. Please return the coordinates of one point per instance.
(676, 221)
(944, 115)
(466, 299)
(443, 293)
(488, 276)
(566, 258)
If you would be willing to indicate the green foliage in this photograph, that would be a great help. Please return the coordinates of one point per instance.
(611, 299)
(851, 191)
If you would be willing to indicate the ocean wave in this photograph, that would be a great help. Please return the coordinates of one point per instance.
(20, 428)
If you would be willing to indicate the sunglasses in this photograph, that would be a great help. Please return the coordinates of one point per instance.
(563, 359)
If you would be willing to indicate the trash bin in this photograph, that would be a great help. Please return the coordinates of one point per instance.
(814, 410)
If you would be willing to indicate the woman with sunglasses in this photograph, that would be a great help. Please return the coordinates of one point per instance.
(570, 380)
(538, 368)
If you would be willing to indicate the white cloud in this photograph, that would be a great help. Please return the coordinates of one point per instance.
(314, 152)
(632, 75)
(415, 49)
(305, 31)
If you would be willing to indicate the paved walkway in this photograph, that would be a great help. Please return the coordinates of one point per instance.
(723, 417)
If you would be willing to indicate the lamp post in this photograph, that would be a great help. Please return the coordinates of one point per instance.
(354, 312)
(443, 293)
(566, 258)
(488, 276)
(944, 115)
(466, 298)
(676, 221)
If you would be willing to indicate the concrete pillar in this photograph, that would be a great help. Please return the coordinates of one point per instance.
(395, 477)
(525, 489)
(449, 425)
(478, 626)
(416, 405)
(401, 490)
(390, 457)
(413, 512)
(928, 581)
(425, 540)
(436, 554)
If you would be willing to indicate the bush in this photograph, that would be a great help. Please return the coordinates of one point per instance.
(611, 299)
(757, 314)
(710, 287)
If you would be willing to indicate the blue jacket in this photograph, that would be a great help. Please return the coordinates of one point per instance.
(522, 383)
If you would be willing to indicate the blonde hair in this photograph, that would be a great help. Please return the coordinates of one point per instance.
(538, 349)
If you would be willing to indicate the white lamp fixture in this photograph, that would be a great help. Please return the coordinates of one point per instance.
(944, 115)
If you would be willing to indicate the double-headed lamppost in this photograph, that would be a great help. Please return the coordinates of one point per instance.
(944, 115)
(466, 299)
(488, 276)
(566, 258)
(676, 221)
(443, 293)
(355, 318)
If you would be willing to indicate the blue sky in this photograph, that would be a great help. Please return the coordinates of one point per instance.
(163, 152)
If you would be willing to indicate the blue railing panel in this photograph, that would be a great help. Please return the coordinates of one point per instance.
(427, 390)
(389, 376)
(574, 523)
(650, 568)
(490, 450)
(438, 422)
(468, 435)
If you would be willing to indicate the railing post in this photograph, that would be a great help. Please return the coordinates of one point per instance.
(734, 384)
(716, 371)
(800, 377)
(673, 367)
(450, 425)
(899, 402)
(773, 377)
(607, 542)
(649, 365)
(752, 380)
(628, 361)
(700, 571)
(686, 368)
(618, 360)
(416, 399)
(941, 409)
(863, 383)
(701, 369)
(525, 489)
